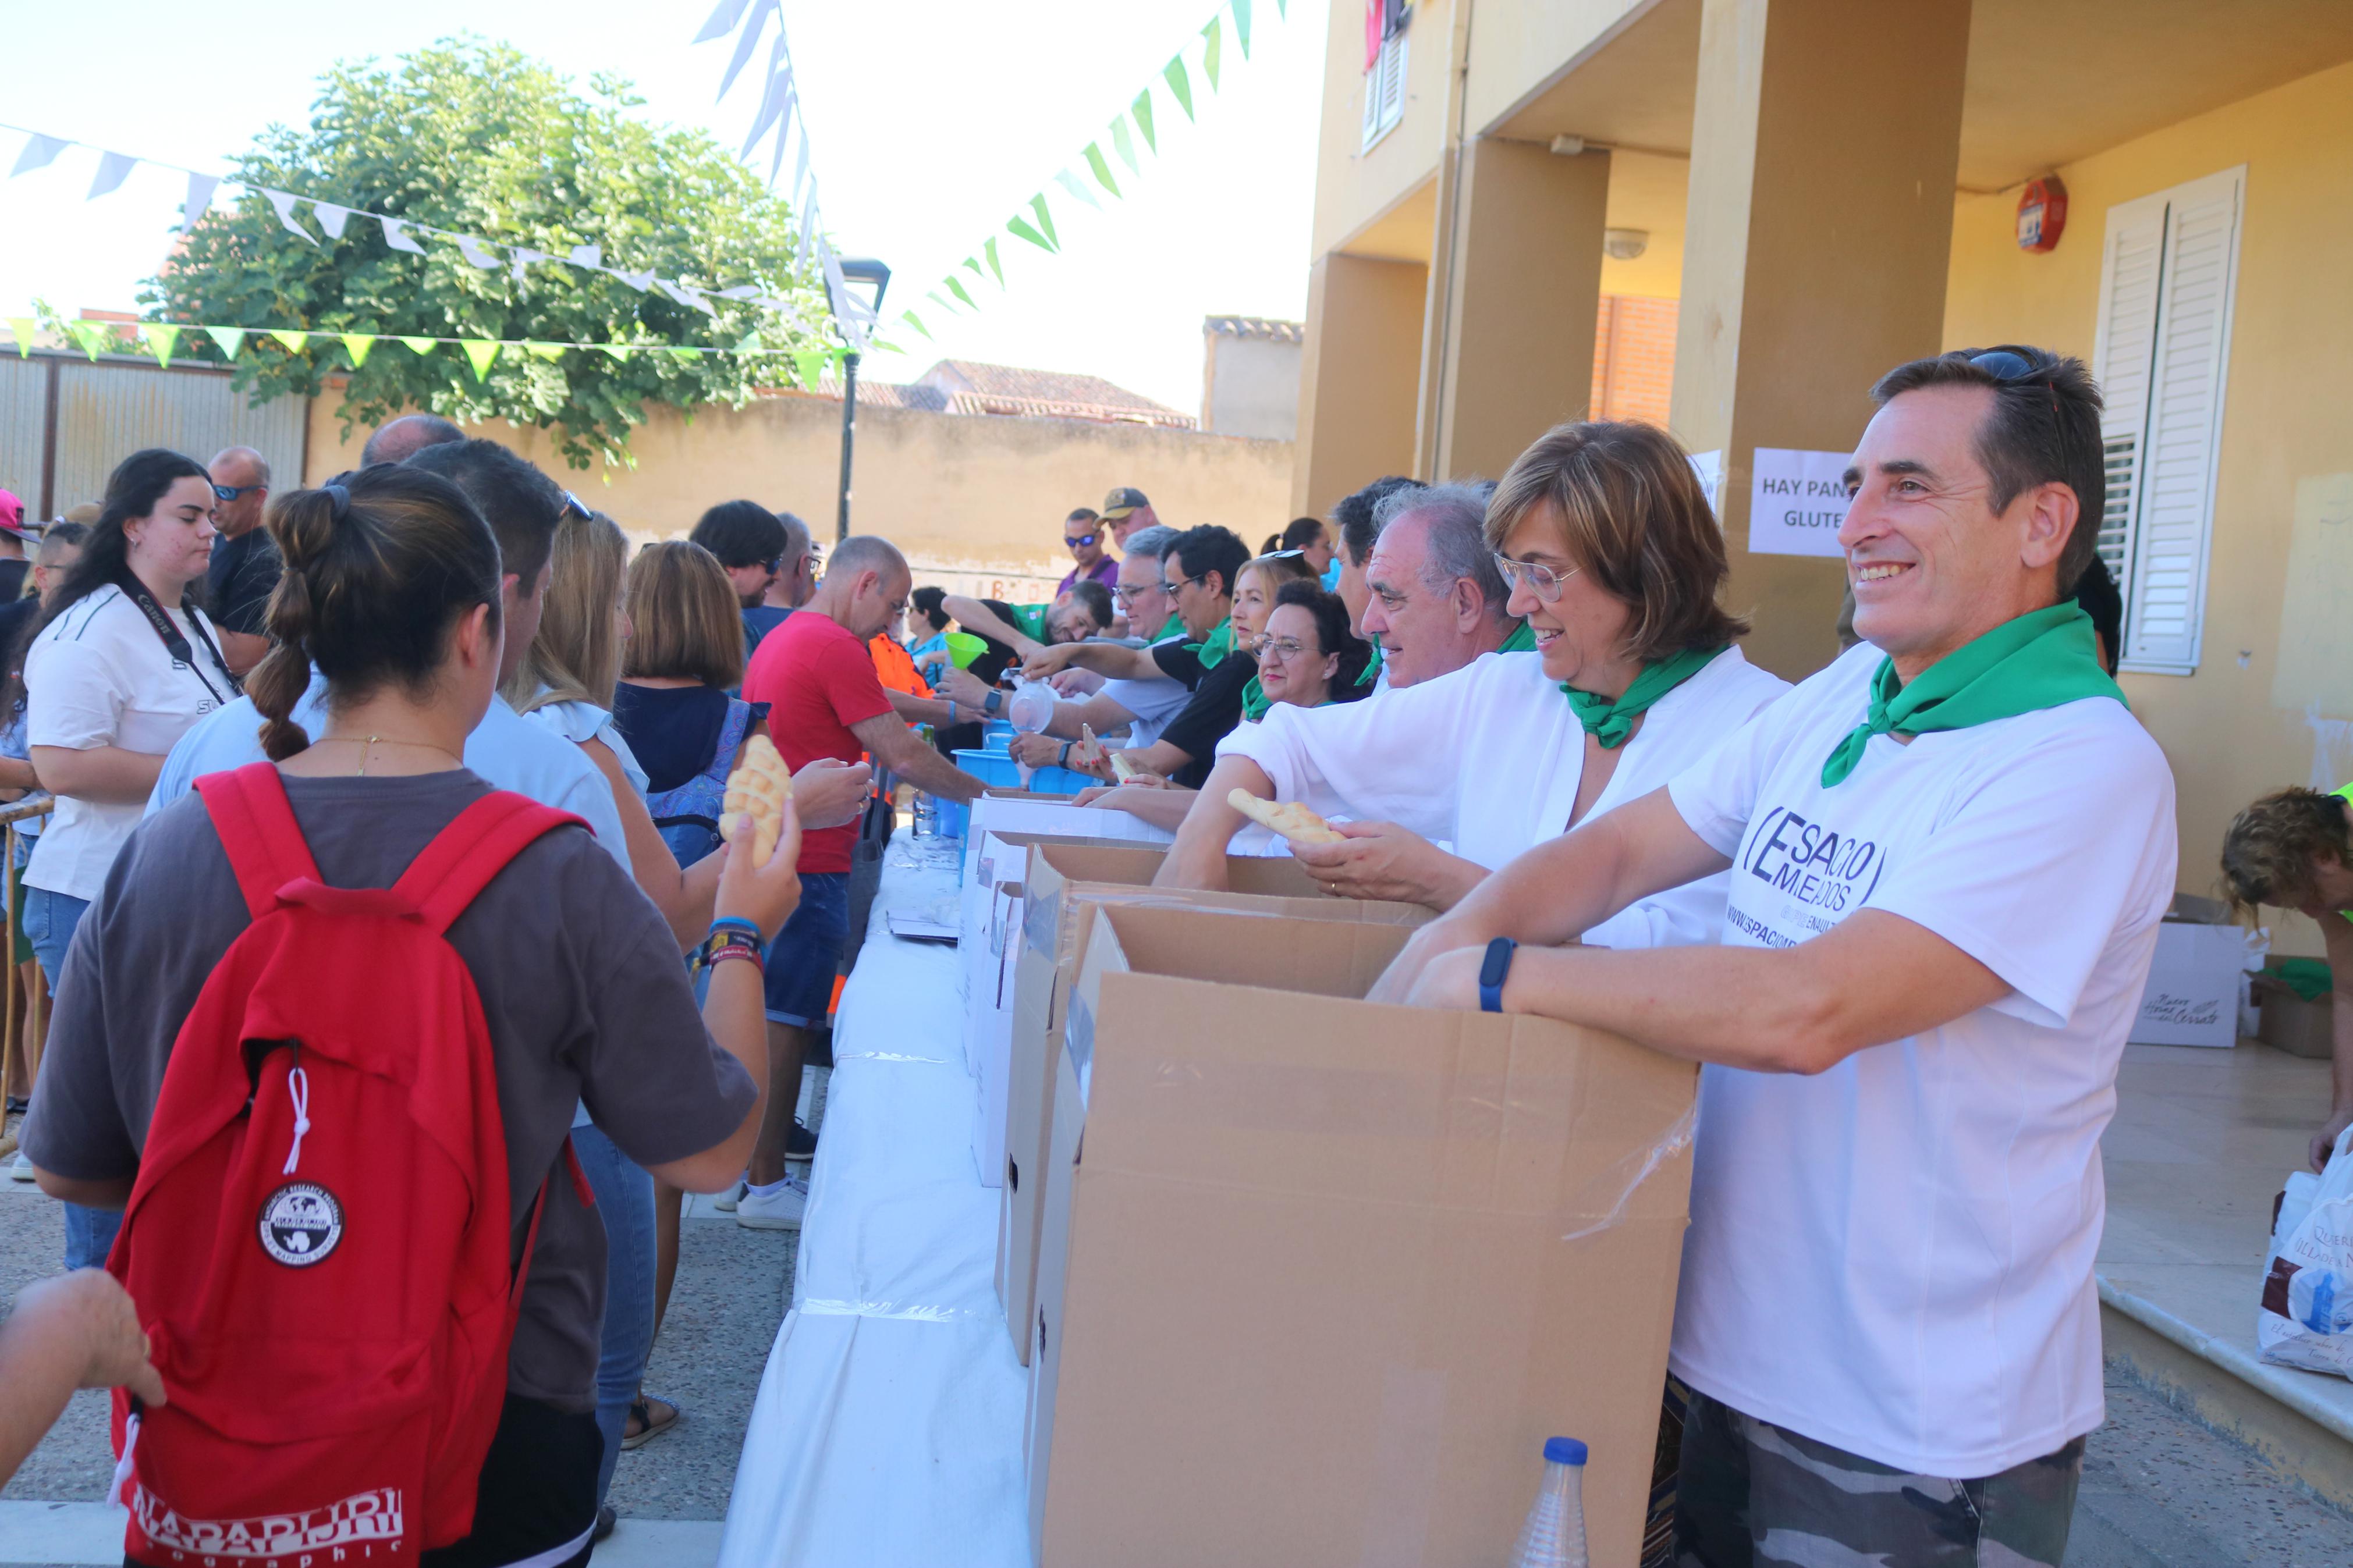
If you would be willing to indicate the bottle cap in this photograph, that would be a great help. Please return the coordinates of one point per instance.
(1564, 1451)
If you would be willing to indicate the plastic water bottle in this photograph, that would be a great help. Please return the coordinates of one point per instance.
(927, 817)
(1554, 1535)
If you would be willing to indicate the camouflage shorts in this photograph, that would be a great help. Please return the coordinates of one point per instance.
(1753, 1495)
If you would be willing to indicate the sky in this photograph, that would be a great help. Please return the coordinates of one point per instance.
(931, 122)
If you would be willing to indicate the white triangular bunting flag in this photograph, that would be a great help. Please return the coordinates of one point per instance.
(331, 217)
(398, 238)
(475, 253)
(640, 282)
(772, 102)
(800, 168)
(38, 153)
(722, 21)
(525, 256)
(801, 249)
(742, 291)
(1077, 188)
(690, 298)
(200, 199)
(284, 201)
(113, 168)
(591, 256)
(744, 41)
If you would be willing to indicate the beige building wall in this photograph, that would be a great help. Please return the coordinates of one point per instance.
(949, 490)
(1359, 377)
(2270, 664)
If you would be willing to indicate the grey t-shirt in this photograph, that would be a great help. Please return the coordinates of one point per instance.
(581, 985)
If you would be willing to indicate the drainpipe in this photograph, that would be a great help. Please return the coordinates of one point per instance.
(1437, 311)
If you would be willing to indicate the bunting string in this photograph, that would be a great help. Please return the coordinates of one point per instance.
(41, 149)
(162, 340)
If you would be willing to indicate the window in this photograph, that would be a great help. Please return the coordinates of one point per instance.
(2162, 355)
(1384, 69)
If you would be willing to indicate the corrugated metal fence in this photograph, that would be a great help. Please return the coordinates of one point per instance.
(65, 422)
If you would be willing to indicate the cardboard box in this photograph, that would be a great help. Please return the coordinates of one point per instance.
(2293, 1024)
(2194, 983)
(1064, 880)
(1012, 811)
(1312, 1297)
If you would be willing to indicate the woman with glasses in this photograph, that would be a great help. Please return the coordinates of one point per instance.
(1307, 657)
(1614, 560)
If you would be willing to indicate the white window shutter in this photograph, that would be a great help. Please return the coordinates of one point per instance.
(1385, 89)
(2174, 521)
(2125, 348)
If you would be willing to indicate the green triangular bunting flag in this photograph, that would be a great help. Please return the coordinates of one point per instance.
(1242, 25)
(1019, 228)
(422, 345)
(22, 326)
(750, 343)
(677, 353)
(293, 341)
(357, 345)
(1142, 109)
(1045, 221)
(620, 352)
(1180, 84)
(917, 322)
(481, 352)
(94, 337)
(994, 266)
(808, 365)
(1101, 169)
(160, 341)
(543, 350)
(955, 287)
(1212, 39)
(230, 340)
(1125, 145)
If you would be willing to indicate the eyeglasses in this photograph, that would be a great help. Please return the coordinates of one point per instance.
(230, 493)
(1284, 649)
(1076, 541)
(773, 563)
(573, 507)
(1538, 579)
(1127, 595)
(1173, 589)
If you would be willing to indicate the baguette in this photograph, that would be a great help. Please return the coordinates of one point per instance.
(1288, 818)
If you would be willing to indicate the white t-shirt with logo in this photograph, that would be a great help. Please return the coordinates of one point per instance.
(99, 676)
(1895, 1256)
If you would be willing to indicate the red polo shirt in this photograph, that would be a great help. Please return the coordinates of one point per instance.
(817, 680)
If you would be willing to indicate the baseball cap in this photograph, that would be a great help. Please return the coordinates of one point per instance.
(12, 516)
(86, 513)
(1121, 501)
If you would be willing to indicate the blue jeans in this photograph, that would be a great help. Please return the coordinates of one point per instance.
(50, 922)
(804, 957)
(624, 1198)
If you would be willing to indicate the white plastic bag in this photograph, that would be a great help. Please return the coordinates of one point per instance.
(2306, 1316)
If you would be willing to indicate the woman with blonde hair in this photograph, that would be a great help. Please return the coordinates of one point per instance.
(1614, 560)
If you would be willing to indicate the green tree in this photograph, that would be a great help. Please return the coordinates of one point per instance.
(477, 138)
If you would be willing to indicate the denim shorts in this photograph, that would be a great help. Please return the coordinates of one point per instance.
(802, 960)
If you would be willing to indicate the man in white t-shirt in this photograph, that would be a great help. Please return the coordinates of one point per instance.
(1949, 852)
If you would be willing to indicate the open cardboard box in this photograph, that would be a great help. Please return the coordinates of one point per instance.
(2196, 977)
(1017, 811)
(1063, 881)
(1320, 1277)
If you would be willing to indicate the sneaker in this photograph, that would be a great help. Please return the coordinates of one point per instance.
(725, 1201)
(779, 1210)
(21, 1168)
(800, 1143)
(606, 1518)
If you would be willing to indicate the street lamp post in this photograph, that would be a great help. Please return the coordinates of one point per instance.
(868, 271)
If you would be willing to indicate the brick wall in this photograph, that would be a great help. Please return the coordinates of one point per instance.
(1634, 358)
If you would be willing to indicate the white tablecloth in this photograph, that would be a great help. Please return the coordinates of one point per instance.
(887, 1432)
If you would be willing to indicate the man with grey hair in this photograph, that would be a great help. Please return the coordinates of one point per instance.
(245, 567)
(1142, 706)
(1435, 600)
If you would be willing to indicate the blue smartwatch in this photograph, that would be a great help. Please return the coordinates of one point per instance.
(1492, 971)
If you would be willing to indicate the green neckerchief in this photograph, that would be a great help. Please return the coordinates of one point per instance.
(1372, 667)
(1211, 650)
(1173, 628)
(1255, 701)
(1521, 640)
(2038, 660)
(1612, 722)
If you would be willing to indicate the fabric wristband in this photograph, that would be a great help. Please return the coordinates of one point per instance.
(1493, 970)
(732, 923)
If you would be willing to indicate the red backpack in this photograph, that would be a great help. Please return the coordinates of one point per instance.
(319, 1237)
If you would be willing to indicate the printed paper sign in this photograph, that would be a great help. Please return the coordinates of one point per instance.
(1796, 502)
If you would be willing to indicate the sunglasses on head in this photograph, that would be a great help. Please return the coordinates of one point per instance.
(573, 507)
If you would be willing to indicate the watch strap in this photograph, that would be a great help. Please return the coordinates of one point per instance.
(1493, 970)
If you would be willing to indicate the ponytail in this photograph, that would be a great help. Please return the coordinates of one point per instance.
(379, 564)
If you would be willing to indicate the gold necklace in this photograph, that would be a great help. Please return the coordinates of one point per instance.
(384, 741)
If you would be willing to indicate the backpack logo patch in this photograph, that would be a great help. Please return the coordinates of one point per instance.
(301, 1223)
